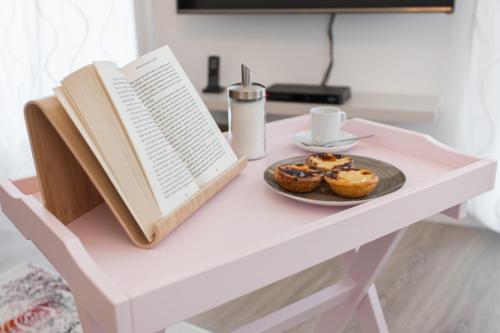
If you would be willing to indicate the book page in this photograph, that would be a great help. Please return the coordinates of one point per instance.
(145, 218)
(84, 132)
(169, 179)
(92, 112)
(181, 115)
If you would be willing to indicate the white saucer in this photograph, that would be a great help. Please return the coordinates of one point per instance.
(305, 136)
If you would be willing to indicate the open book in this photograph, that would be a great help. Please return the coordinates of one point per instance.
(149, 130)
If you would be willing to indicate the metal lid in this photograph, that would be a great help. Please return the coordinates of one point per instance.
(246, 90)
(254, 92)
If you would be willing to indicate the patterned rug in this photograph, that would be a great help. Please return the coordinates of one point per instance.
(34, 300)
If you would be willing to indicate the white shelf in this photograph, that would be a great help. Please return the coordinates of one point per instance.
(396, 108)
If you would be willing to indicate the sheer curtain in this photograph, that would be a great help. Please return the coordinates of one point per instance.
(40, 42)
(480, 116)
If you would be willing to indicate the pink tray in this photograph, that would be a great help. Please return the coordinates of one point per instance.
(247, 236)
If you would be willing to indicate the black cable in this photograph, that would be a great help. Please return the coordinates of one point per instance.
(326, 76)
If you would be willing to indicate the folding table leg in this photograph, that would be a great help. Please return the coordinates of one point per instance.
(364, 267)
(85, 319)
(86, 322)
(369, 313)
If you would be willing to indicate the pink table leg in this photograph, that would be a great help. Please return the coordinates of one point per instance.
(365, 265)
(305, 308)
(86, 321)
(369, 313)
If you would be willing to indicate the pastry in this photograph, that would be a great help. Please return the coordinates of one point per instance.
(352, 182)
(298, 177)
(328, 161)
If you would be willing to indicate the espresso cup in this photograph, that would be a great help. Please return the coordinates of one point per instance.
(325, 124)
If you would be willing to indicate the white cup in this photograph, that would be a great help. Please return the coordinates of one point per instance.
(325, 124)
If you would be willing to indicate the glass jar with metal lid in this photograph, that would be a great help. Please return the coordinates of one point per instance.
(247, 117)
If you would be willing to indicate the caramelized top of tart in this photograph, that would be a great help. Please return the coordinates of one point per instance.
(328, 161)
(299, 170)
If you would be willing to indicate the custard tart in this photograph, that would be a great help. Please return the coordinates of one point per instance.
(328, 161)
(298, 178)
(352, 182)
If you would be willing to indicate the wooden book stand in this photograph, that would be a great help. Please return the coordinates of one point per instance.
(72, 181)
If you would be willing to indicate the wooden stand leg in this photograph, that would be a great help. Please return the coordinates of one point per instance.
(369, 313)
(365, 265)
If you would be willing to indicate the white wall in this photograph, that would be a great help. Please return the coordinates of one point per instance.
(405, 53)
(398, 53)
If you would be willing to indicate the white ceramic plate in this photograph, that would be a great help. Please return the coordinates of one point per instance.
(305, 136)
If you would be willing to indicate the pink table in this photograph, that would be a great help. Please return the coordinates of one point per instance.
(247, 237)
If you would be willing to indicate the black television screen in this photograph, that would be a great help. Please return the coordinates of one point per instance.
(313, 6)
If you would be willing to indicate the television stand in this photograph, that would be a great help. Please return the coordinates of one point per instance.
(382, 107)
